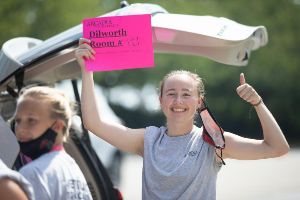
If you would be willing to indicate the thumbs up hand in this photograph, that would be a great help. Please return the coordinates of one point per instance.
(247, 92)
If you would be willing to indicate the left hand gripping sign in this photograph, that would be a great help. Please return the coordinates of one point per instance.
(120, 42)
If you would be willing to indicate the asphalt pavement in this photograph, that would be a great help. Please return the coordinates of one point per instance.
(270, 179)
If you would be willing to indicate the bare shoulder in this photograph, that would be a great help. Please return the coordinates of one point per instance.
(11, 190)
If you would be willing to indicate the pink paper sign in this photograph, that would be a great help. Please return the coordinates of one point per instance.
(120, 42)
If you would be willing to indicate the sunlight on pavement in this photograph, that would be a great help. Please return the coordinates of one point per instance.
(270, 179)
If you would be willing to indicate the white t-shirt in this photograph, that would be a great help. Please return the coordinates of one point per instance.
(56, 176)
(5, 172)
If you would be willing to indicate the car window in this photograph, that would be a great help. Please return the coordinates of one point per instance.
(110, 156)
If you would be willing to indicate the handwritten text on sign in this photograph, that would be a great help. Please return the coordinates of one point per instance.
(120, 42)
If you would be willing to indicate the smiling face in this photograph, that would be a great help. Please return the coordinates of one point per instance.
(32, 118)
(180, 99)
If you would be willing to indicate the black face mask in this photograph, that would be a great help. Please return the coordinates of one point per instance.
(39, 146)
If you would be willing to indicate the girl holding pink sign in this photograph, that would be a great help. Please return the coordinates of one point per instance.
(181, 160)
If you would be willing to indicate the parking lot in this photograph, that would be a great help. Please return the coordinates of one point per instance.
(271, 179)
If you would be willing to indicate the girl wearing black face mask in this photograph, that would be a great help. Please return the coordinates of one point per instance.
(43, 144)
(42, 122)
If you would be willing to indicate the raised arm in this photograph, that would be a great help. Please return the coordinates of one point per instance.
(126, 139)
(273, 144)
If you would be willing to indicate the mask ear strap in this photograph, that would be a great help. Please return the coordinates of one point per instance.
(220, 156)
(64, 126)
(53, 124)
(203, 105)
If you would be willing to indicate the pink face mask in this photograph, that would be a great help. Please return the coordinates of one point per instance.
(213, 134)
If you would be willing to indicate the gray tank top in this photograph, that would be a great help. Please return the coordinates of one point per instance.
(178, 168)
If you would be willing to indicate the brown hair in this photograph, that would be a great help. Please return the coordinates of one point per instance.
(195, 77)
